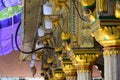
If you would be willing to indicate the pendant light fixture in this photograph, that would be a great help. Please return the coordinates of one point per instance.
(41, 32)
(48, 24)
(47, 8)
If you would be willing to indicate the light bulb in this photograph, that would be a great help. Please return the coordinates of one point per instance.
(47, 8)
(48, 24)
(41, 32)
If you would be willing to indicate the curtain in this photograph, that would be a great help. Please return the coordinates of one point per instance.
(7, 34)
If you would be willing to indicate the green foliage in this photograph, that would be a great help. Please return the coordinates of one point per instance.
(8, 12)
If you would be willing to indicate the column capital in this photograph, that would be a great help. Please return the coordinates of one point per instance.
(111, 50)
(83, 59)
(68, 67)
(84, 70)
(107, 35)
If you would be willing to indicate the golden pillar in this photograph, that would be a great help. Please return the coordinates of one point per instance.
(109, 38)
(83, 61)
(69, 69)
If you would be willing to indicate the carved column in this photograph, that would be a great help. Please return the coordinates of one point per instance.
(109, 37)
(84, 74)
(111, 56)
(84, 60)
(69, 69)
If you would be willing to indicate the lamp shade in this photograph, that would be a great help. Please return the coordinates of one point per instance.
(41, 32)
(47, 8)
(48, 24)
